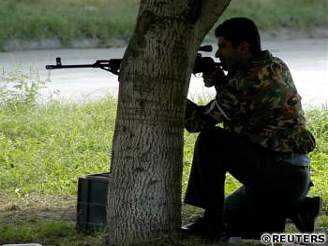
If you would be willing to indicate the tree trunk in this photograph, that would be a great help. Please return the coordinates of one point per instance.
(144, 200)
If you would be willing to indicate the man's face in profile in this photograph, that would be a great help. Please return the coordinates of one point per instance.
(229, 55)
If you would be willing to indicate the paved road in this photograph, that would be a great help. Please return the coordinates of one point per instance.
(307, 59)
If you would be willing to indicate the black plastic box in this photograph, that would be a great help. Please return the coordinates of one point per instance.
(91, 202)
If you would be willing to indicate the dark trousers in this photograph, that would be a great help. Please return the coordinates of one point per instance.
(269, 190)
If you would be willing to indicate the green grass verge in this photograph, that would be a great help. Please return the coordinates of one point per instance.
(106, 20)
(45, 148)
(66, 20)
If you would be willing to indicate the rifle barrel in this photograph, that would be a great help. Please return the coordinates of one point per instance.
(69, 66)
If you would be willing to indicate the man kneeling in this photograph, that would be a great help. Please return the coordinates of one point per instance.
(263, 143)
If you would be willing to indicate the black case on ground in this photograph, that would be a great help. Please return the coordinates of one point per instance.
(91, 202)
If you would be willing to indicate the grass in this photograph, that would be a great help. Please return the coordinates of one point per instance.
(48, 233)
(46, 147)
(281, 13)
(67, 21)
(108, 20)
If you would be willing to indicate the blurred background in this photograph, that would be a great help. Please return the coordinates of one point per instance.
(34, 32)
(109, 23)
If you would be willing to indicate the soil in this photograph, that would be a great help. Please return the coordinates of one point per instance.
(36, 208)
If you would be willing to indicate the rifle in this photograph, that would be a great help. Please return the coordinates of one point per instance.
(112, 65)
(205, 64)
(202, 64)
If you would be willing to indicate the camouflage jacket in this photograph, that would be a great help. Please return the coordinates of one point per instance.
(260, 103)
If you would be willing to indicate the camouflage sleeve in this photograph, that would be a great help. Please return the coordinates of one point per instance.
(226, 106)
(195, 118)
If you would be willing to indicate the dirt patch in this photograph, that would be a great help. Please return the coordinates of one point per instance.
(37, 208)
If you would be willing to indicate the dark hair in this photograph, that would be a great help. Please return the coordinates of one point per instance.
(240, 29)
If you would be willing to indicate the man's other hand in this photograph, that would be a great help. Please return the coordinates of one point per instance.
(195, 119)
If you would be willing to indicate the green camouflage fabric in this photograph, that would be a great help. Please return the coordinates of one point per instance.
(261, 103)
(195, 118)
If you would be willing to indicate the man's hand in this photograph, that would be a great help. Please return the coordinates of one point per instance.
(214, 78)
(195, 119)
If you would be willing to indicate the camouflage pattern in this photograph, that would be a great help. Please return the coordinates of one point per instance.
(196, 120)
(261, 103)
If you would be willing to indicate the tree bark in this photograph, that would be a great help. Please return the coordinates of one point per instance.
(144, 200)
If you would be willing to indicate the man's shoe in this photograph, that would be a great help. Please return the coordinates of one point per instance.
(194, 228)
(306, 214)
(202, 228)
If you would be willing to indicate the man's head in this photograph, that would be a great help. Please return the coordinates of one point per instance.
(238, 40)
